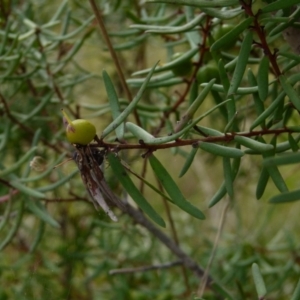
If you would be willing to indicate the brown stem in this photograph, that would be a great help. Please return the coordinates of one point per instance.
(226, 138)
(113, 54)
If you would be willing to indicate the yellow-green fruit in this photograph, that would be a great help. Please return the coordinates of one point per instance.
(183, 68)
(222, 30)
(207, 72)
(79, 131)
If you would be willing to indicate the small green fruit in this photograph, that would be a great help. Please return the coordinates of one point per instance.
(222, 30)
(79, 131)
(183, 68)
(207, 72)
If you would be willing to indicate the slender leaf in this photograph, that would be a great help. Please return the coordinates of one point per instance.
(199, 3)
(286, 197)
(262, 183)
(14, 228)
(268, 111)
(142, 135)
(172, 189)
(218, 195)
(188, 161)
(263, 78)
(220, 150)
(285, 159)
(228, 176)
(40, 211)
(296, 294)
(113, 103)
(188, 115)
(241, 63)
(279, 4)
(170, 65)
(121, 174)
(252, 144)
(18, 164)
(290, 91)
(231, 35)
(258, 281)
(25, 189)
(129, 108)
(259, 105)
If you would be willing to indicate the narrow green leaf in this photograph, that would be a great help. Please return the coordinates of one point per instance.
(199, 3)
(172, 189)
(288, 113)
(40, 211)
(18, 164)
(268, 111)
(231, 35)
(279, 4)
(273, 170)
(170, 65)
(228, 176)
(223, 75)
(193, 92)
(259, 105)
(141, 134)
(220, 150)
(170, 29)
(44, 101)
(59, 11)
(240, 91)
(157, 83)
(5, 134)
(52, 186)
(220, 290)
(296, 294)
(252, 144)
(26, 190)
(132, 43)
(113, 103)
(293, 143)
(285, 159)
(5, 214)
(263, 78)
(218, 195)
(14, 228)
(188, 161)
(218, 100)
(172, 137)
(286, 197)
(209, 131)
(222, 14)
(292, 94)
(262, 183)
(129, 108)
(258, 281)
(121, 174)
(241, 63)
(188, 115)
(38, 237)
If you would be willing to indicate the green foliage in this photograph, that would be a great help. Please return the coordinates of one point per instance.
(224, 115)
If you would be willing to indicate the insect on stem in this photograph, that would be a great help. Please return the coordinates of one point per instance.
(89, 162)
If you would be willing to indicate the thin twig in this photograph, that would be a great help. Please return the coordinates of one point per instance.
(174, 234)
(145, 268)
(113, 54)
(205, 278)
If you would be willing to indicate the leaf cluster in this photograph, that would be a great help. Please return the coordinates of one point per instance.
(229, 97)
